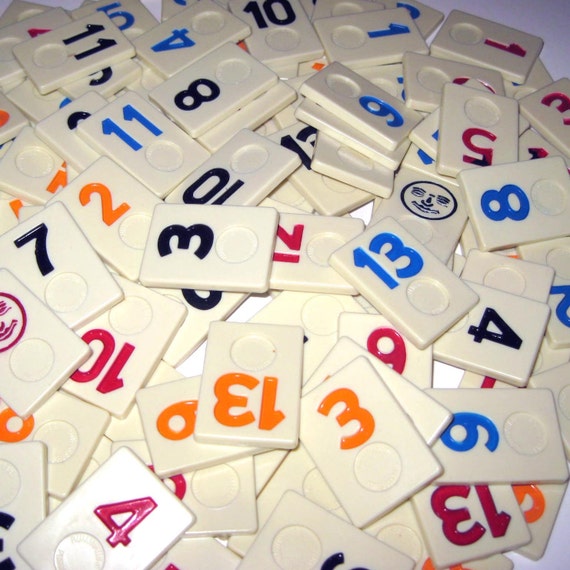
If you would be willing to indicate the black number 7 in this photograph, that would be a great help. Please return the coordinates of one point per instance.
(39, 234)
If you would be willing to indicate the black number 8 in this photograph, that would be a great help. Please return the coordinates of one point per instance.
(194, 93)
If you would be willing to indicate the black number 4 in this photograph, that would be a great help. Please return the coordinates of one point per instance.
(506, 335)
(39, 235)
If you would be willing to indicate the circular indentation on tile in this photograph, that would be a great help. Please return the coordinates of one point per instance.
(215, 487)
(402, 538)
(346, 9)
(61, 439)
(13, 321)
(165, 156)
(296, 547)
(6, 45)
(525, 433)
(35, 162)
(320, 248)
(253, 352)
(432, 79)
(316, 489)
(208, 22)
(237, 244)
(354, 160)
(428, 296)
(32, 360)
(319, 315)
(283, 40)
(11, 482)
(564, 401)
(232, 71)
(342, 85)
(50, 56)
(482, 112)
(133, 230)
(505, 278)
(466, 34)
(78, 551)
(348, 37)
(549, 197)
(249, 158)
(131, 316)
(420, 229)
(377, 466)
(66, 292)
(559, 259)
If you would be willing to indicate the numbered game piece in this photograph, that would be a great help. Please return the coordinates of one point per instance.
(32, 103)
(533, 146)
(134, 335)
(122, 485)
(196, 31)
(279, 36)
(388, 77)
(471, 39)
(150, 146)
(235, 352)
(211, 89)
(53, 257)
(343, 163)
(22, 30)
(376, 467)
(303, 247)
(58, 130)
(466, 522)
(19, 10)
(327, 540)
(429, 417)
(434, 213)
(426, 18)
(233, 254)
(529, 280)
(358, 101)
(425, 307)
(522, 443)
(426, 135)
(23, 496)
(517, 203)
(425, 76)
(380, 338)
(30, 169)
(370, 38)
(114, 211)
(265, 465)
(546, 111)
(72, 51)
(203, 552)
(316, 313)
(8, 217)
(38, 352)
(333, 8)
(12, 121)
(477, 128)
(500, 337)
(131, 16)
(287, 199)
(545, 501)
(168, 415)
(241, 173)
(556, 254)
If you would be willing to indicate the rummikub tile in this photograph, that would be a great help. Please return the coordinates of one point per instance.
(12, 121)
(389, 77)
(233, 253)
(72, 51)
(350, 459)
(53, 257)
(538, 77)
(422, 308)
(476, 128)
(471, 39)
(32, 103)
(86, 526)
(327, 9)
(517, 203)
(142, 140)
(203, 552)
(533, 146)
(426, 18)
(19, 10)
(370, 38)
(265, 360)
(213, 88)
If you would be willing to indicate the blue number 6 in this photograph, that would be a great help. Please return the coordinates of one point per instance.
(378, 107)
(470, 422)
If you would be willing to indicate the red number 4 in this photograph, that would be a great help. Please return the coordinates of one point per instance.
(139, 509)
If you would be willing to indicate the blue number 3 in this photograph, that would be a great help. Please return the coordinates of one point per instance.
(381, 108)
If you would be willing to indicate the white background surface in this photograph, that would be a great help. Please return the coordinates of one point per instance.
(549, 19)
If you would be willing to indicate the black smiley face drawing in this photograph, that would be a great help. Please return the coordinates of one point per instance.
(428, 200)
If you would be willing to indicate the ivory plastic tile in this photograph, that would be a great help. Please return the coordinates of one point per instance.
(233, 252)
(341, 8)
(426, 18)
(203, 552)
(389, 77)
(32, 103)
(12, 121)
(533, 146)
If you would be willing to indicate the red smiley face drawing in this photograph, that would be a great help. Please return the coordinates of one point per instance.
(13, 321)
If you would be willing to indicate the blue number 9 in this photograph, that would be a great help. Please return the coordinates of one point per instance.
(470, 421)
(381, 109)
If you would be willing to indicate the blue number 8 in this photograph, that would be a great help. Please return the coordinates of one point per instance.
(381, 109)
(505, 209)
(470, 422)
